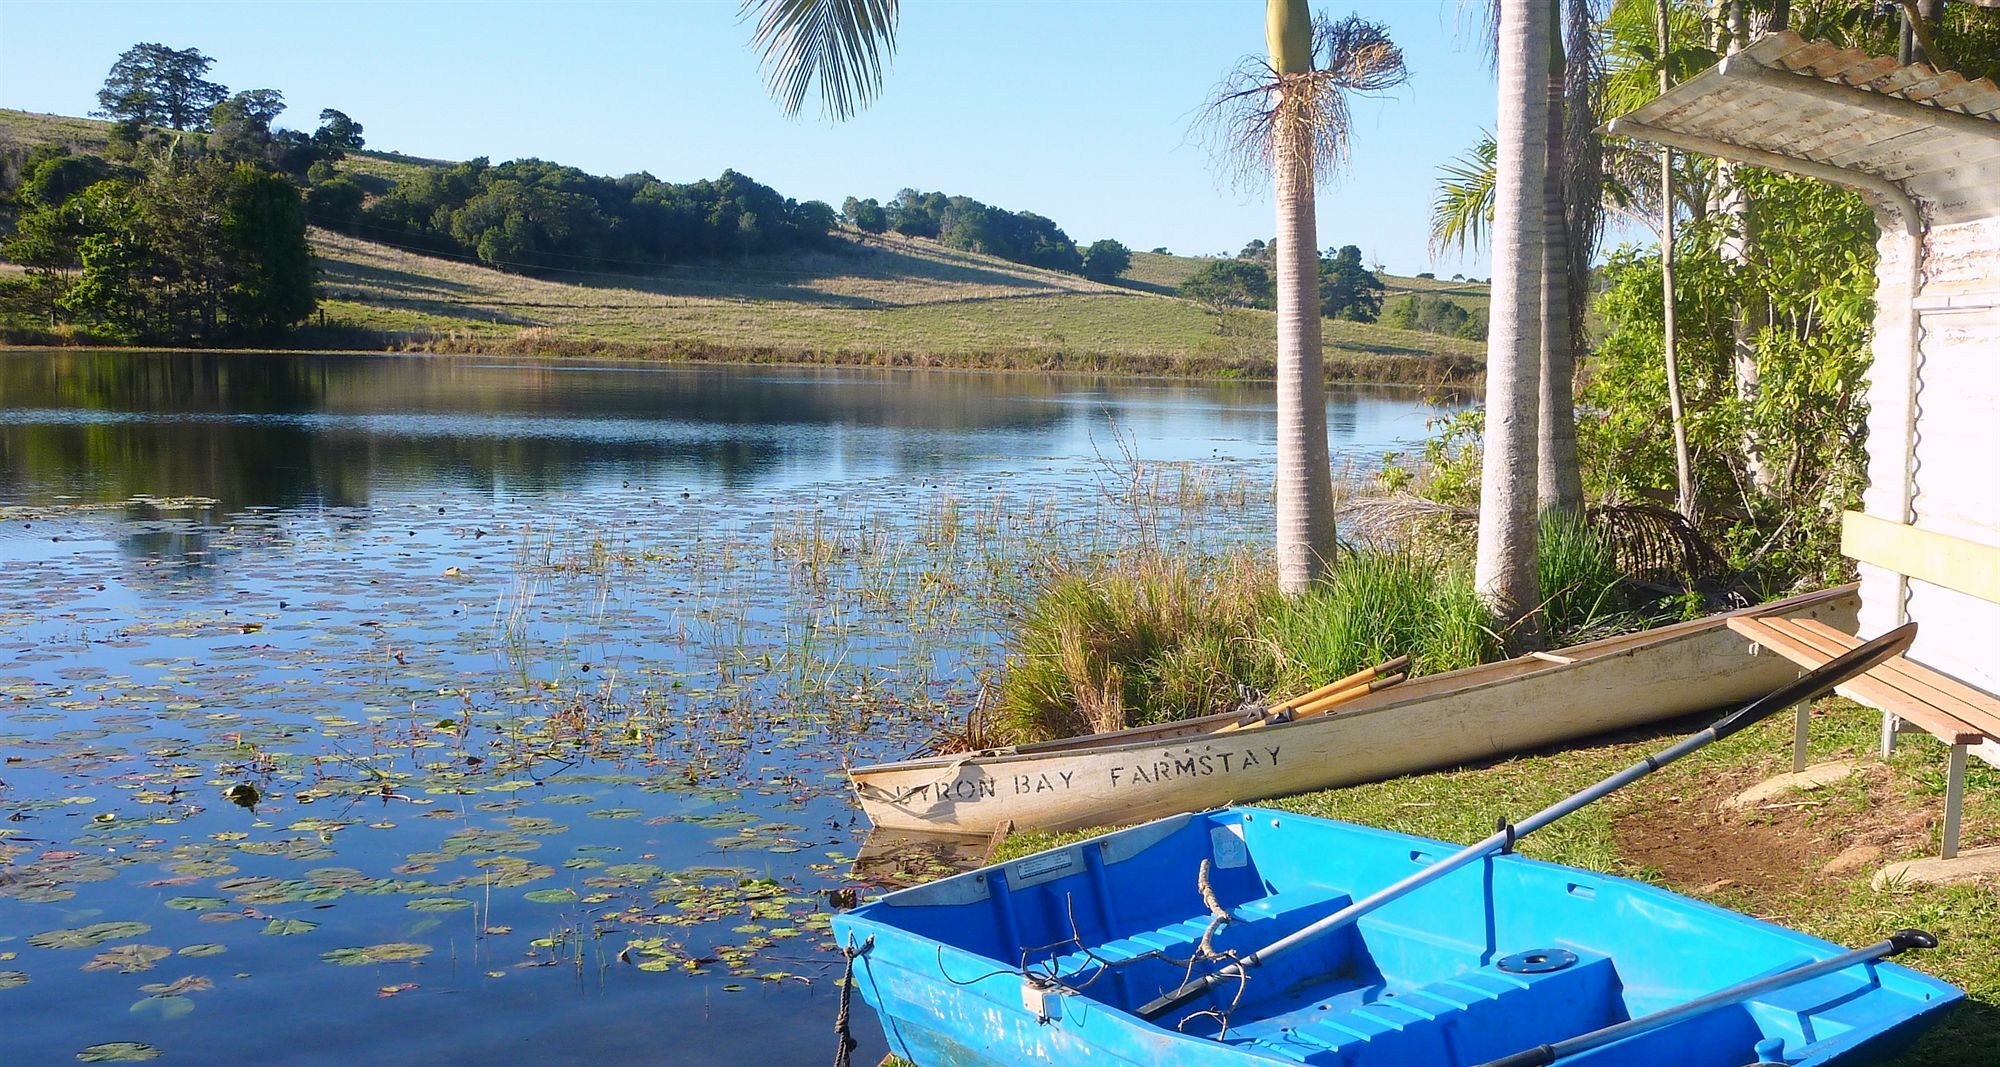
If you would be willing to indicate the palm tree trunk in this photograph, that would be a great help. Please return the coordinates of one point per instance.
(1304, 476)
(1683, 470)
(1558, 481)
(1506, 575)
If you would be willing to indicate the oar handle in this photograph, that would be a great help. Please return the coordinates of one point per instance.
(1543, 1055)
(1172, 999)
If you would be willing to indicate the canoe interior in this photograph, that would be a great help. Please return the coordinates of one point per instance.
(1416, 983)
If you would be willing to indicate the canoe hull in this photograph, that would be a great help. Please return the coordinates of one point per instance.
(1423, 982)
(1446, 720)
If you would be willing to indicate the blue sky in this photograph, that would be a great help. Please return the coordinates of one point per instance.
(1078, 110)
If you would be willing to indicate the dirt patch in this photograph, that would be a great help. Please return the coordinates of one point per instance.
(1684, 833)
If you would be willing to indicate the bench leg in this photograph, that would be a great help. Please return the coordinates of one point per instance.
(1804, 715)
(1954, 799)
(1889, 725)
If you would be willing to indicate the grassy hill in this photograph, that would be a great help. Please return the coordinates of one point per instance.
(873, 299)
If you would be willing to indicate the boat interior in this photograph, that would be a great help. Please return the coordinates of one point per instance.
(1494, 958)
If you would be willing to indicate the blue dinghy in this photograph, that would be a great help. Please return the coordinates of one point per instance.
(1049, 959)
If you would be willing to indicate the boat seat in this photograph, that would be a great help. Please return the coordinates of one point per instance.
(1944, 707)
(1470, 1017)
(1255, 923)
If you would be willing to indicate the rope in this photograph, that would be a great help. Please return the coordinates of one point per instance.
(845, 1049)
(1218, 917)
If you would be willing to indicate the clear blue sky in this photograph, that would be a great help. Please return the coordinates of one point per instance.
(1078, 110)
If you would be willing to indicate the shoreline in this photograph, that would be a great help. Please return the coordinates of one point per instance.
(1440, 372)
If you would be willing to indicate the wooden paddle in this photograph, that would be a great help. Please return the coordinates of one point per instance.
(1328, 696)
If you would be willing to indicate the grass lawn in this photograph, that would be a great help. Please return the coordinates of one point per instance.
(1669, 829)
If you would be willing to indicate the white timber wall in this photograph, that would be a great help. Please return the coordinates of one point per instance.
(1934, 434)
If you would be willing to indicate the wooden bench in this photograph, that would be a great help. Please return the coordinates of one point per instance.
(1948, 709)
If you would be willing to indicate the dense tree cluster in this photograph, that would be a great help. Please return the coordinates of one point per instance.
(532, 215)
(1347, 290)
(174, 248)
(1435, 314)
(189, 228)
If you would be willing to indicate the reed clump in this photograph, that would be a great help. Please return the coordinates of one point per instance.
(1151, 635)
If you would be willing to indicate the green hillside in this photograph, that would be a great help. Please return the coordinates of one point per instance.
(872, 299)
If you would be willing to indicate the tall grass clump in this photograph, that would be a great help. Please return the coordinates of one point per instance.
(1150, 637)
(1585, 594)
(1378, 603)
(1137, 638)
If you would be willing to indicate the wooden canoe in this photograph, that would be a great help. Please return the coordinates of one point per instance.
(1443, 720)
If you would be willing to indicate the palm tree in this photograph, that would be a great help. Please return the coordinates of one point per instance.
(1507, 555)
(1573, 195)
(1290, 114)
(1287, 112)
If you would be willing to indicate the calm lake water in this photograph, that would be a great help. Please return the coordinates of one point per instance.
(382, 710)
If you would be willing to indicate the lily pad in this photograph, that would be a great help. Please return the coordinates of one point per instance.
(286, 927)
(13, 979)
(163, 1007)
(87, 936)
(128, 959)
(393, 952)
(551, 896)
(119, 1052)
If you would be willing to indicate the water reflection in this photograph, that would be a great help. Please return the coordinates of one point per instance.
(308, 431)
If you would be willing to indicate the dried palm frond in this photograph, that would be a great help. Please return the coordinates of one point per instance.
(1257, 113)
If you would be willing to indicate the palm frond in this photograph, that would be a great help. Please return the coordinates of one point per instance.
(1463, 208)
(1257, 111)
(843, 45)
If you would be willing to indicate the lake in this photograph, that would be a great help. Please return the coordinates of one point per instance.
(439, 710)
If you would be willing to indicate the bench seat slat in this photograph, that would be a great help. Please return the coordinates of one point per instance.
(1954, 697)
(1870, 688)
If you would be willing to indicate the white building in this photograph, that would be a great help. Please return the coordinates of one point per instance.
(1924, 148)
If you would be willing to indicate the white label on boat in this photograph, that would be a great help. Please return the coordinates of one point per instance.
(1039, 868)
(1226, 841)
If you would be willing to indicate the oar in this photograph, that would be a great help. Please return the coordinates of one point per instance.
(1361, 682)
(1328, 703)
(1813, 684)
(1542, 1055)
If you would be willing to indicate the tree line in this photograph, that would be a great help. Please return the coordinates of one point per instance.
(962, 222)
(534, 216)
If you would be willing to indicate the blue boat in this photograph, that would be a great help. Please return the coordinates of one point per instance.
(1050, 958)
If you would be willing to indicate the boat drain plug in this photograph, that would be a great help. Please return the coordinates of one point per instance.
(1537, 961)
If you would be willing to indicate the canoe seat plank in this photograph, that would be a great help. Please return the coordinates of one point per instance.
(1945, 707)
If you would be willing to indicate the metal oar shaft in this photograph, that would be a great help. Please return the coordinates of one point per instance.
(1542, 1055)
(1812, 685)
(1480, 849)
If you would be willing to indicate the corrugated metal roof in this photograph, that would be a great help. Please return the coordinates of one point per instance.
(1844, 115)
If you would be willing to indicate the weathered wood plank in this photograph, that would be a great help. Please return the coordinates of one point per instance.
(1955, 563)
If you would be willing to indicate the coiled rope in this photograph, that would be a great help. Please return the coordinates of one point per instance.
(845, 1050)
